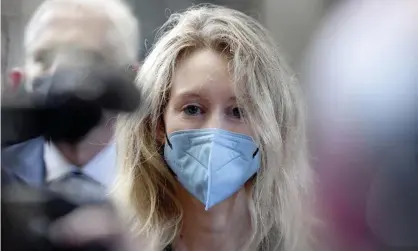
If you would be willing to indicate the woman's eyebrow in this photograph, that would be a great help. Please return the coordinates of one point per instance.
(233, 99)
(197, 94)
(188, 95)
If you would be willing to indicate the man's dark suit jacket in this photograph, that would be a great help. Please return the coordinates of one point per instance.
(24, 162)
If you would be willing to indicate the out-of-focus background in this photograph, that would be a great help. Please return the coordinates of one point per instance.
(291, 22)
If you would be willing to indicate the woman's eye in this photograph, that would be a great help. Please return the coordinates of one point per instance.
(237, 112)
(192, 110)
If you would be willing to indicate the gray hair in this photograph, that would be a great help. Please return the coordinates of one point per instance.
(109, 26)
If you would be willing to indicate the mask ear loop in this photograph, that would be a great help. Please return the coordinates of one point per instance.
(166, 135)
(255, 152)
(171, 147)
(168, 141)
(253, 178)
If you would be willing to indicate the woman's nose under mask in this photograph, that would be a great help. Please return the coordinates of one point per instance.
(212, 164)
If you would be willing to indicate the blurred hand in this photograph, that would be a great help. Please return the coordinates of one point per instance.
(92, 224)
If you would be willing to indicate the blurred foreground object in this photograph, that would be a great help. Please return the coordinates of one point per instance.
(68, 103)
(28, 211)
(28, 215)
(362, 81)
(70, 78)
(79, 58)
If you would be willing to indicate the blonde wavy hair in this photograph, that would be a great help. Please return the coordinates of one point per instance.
(268, 93)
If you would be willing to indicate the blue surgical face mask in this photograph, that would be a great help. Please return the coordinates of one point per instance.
(212, 164)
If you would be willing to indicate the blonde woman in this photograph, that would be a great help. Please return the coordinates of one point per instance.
(215, 159)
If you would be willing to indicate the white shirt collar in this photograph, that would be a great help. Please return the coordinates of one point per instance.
(102, 168)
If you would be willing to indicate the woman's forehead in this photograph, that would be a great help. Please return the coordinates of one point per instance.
(203, 73)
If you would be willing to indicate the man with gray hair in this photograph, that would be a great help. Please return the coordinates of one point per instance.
(73, 45)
